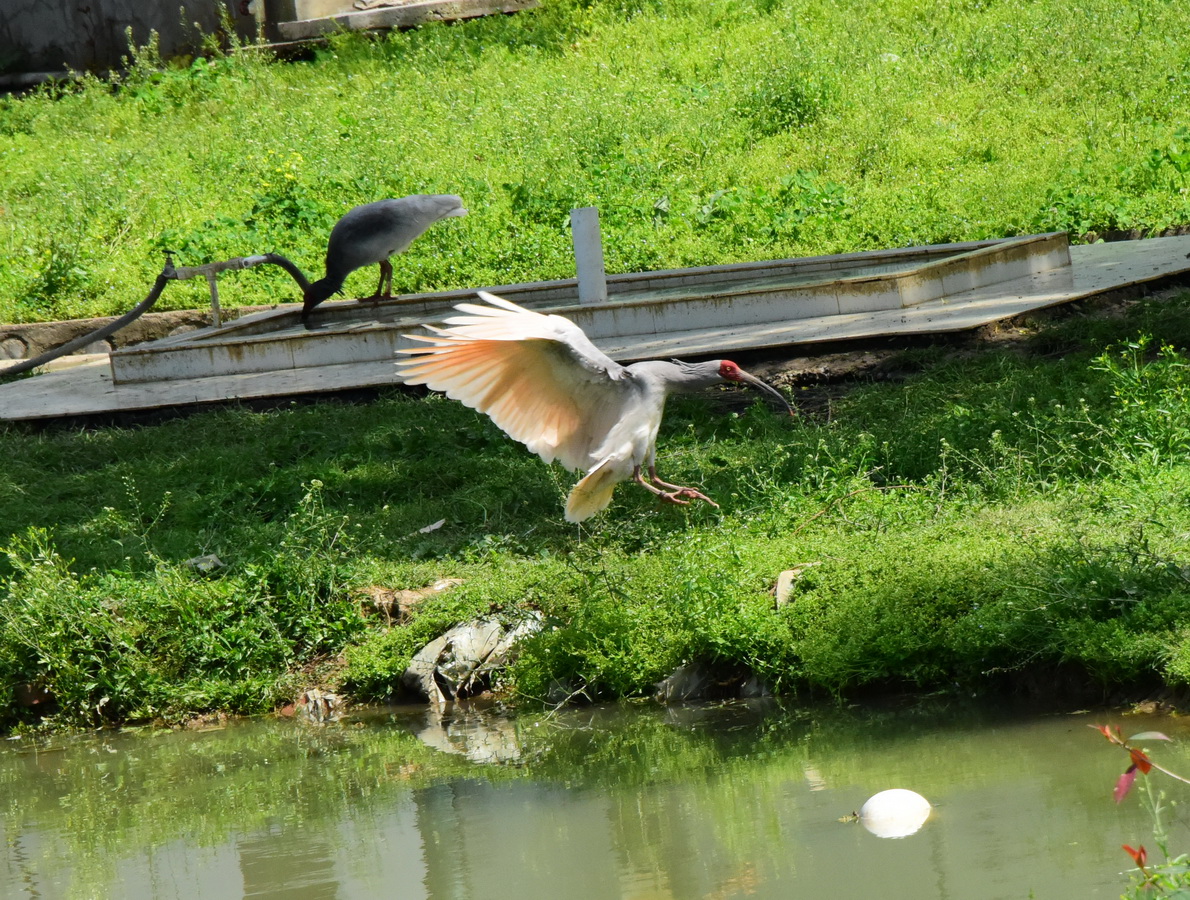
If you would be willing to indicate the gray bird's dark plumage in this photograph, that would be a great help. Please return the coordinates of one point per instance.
(371, 234)
(543, 382)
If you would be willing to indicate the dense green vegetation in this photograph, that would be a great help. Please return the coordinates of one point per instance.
(995, 520)
(992, 521)
(705, 132)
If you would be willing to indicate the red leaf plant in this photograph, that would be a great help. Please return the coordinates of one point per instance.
(1139, 856)
(1140, 761)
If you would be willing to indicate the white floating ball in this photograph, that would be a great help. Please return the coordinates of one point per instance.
(894, 813)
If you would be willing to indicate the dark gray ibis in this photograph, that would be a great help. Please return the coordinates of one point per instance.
(543, 382)
(371, 234)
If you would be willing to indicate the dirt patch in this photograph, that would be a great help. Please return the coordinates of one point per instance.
(817, 378)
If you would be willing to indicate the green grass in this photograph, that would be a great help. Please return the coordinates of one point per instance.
(997, 520)
(705, 132)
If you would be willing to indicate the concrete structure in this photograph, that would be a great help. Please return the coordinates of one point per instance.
(646, 314)
(588, 255)
(684, 313)
(50, 36)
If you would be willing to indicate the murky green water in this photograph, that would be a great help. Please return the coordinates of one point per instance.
(720, 802)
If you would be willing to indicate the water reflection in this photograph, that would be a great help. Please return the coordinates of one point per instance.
(715, 801)
(474, 732)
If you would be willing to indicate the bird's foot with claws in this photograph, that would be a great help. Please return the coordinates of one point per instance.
(676, 496)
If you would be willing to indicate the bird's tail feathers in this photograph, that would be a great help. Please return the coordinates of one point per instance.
(592, 494)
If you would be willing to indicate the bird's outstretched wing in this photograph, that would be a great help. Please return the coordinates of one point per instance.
(538, 377)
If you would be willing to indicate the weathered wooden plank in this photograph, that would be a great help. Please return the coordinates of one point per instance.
(406, 16)
(89, 389)
(62, 362)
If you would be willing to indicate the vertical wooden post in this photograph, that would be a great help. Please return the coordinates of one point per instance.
(216, 317)
(588, 255)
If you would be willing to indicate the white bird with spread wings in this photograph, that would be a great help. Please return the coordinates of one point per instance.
(543, 382)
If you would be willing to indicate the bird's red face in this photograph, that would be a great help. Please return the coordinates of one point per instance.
(729, 371)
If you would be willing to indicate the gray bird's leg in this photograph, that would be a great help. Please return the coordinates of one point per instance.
(676, 492)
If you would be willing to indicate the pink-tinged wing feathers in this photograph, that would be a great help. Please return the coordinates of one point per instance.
(537, 377)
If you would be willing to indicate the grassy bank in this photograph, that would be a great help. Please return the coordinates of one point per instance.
(998, 520)
(705, 132)
(994, 520)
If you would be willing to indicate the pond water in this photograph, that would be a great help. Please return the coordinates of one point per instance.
(713, 802)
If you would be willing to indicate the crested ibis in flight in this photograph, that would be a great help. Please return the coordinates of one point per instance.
(371, 234)
(543, 382)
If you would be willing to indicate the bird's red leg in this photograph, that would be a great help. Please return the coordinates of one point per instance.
(386, 276)
(668, 498)
(678, 489)
(674, 494)
(386, 279)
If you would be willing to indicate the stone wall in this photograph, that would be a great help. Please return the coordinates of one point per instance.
(89, 35)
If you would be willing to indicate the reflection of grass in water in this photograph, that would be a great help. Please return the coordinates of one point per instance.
(108, 799)
(739, 768)
(130, 793)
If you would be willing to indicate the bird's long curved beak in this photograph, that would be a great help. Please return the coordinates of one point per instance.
(768, 389)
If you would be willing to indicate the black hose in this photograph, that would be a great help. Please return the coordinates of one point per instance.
(278, 260)
(99, 334)
(167, 275)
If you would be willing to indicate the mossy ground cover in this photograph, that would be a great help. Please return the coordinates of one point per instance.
(993, 519)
